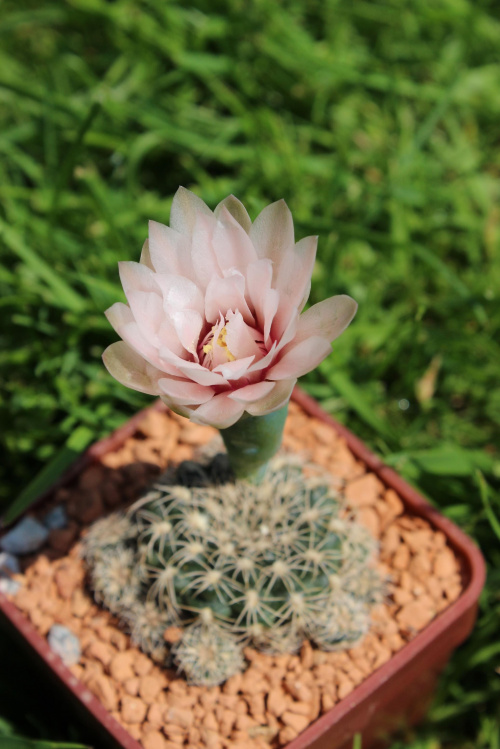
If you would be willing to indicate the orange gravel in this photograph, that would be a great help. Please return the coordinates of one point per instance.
(277, 697)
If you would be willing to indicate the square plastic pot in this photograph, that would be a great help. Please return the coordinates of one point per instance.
(397, 694)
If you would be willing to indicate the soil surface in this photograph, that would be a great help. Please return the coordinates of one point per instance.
(277, 697)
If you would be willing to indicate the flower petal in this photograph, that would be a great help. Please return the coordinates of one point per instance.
(237, 211)
(185, 206)
(225, 294)
(176, 408)
(285, 316)
(180, 293)
(121, 318)
(272, 232)
(277, 398)
(147, 309)
(169, 250)
(185, 393)
(192, 370)
(293, 277)
(136, 277)
(119, 315)
(233, 370)
(252, 393)
(130, 369)
(145, 256)
(220, 412)
(271, 306)
(327, 319)
(203, 258)
(241, 339)
(300, 359)
(168, 338)
(266, 360)
(290, 331)
(201, 375)
(188, 324)
(232, 245)
(258, 281)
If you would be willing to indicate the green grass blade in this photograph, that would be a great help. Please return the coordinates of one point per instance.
(448, 460)
(490, 514)
(64, 295)
(68, 162)
(359, 403)
(76, 443)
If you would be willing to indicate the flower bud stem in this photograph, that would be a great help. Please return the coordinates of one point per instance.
(252, 442)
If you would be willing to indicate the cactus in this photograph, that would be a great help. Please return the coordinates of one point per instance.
(208, 656)
(236, 563)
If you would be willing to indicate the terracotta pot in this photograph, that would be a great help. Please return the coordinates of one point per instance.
(396, 694)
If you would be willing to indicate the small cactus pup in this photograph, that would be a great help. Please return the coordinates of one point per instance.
(234, 564)
(255, 551)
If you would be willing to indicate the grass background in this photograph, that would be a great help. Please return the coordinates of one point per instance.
(378, 122)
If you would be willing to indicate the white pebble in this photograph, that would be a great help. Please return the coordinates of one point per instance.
(9, 587)
(27, 536)
(65, 644)
(9, 564)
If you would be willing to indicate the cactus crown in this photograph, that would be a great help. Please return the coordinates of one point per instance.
(236, 563)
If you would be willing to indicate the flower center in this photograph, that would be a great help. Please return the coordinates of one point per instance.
(230, 339)
(220, 341)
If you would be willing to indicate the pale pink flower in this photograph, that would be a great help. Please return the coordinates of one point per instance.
(213, 323)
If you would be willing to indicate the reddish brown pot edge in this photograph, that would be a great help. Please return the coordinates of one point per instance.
(459, 616)
(39, 644)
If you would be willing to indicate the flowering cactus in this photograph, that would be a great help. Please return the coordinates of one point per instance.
(213, 323)
(214, 327)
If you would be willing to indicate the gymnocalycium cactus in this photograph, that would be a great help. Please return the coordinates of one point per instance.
(235, 564)
(214, 327)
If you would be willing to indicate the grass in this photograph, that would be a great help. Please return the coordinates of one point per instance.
(378, 123)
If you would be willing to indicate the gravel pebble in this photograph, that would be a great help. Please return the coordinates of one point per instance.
(26, 537)
(103, 688)
(9, 564)
(153, 740)
(9, 587)
(149, 687)
(56, 519)
(120, 667)
(363, 491)
(133, 709)
(64, 643)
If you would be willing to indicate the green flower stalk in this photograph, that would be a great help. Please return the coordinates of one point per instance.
(252, 442)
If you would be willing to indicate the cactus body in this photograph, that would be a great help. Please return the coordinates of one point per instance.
(237, 563)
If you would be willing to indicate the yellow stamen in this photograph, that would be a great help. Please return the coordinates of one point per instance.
(221, 341)
(207, 348)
